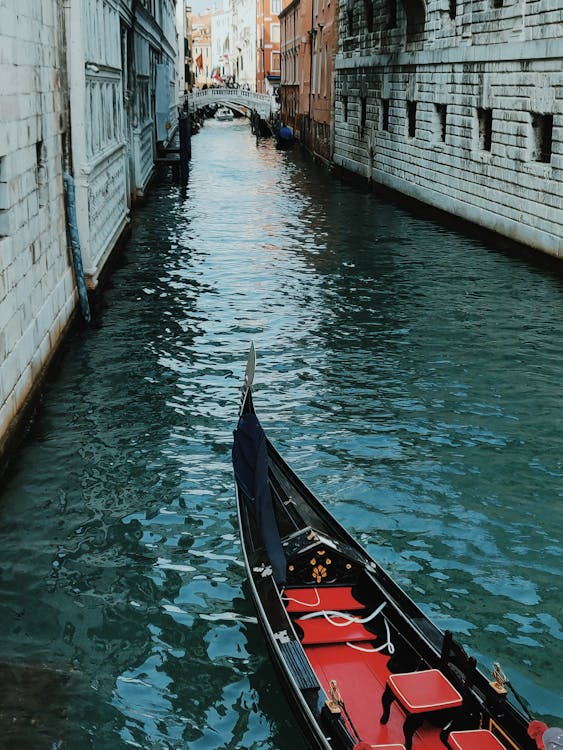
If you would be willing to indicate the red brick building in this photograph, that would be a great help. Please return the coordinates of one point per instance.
(267, 45)
(308, 41)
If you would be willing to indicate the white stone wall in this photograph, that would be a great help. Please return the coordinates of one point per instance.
(37, 289)
(64, 77)
(504, 59)
(99, 149)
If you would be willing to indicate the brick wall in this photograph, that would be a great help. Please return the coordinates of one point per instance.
(37, 294)
(466, 116)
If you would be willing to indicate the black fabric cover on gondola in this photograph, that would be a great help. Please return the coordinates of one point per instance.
(250, 462)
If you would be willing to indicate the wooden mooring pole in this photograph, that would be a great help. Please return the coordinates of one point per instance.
(185, 146)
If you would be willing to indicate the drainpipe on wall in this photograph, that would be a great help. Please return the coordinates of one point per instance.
(72, 226)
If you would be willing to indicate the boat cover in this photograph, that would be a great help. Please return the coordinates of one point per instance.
(250, 463)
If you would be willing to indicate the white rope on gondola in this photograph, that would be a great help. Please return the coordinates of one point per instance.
(329, 614)
(304, 604)
(387, 643)
(350, 620)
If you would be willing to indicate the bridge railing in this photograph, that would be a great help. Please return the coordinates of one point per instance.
(262, 103)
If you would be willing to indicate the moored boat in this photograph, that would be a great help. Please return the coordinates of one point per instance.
(361, 664)
(284, 137)
(224, 113)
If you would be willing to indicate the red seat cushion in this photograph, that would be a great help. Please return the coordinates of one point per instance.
(427, 690)
(367, 746)
(319, 630)
(474, 739)
(331, 597)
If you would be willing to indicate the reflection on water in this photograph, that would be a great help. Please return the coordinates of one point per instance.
(412, 377)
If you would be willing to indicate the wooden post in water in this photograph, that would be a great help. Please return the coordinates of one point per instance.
(185, 146)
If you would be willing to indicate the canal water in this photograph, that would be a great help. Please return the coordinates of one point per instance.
(412, 376)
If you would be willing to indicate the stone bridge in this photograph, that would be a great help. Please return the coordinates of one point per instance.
(240, 99)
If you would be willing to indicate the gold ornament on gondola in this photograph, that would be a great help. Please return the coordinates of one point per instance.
(319, 572)
(320, 567)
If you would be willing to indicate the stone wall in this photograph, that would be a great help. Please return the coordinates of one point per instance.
(37, 289)
(466, 115)
(67, 70)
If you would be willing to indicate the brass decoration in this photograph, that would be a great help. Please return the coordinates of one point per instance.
(499, 681)
(319, 572)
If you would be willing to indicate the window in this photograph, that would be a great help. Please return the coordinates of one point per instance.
(453, 9)
(350, 18)
(275, 33)
(485, 122)
(314, 71)
(40, 174)
(275, 6)
(325, 68)
(391, 14)
(498, 3)
(385, 114)
(368, 6)
(345, 108)
(276, 62)
(411, 118)
(441, 117)
(542, 128)
(363, 111)
(4, 203)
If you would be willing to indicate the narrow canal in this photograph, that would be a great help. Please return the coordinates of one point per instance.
(411, 376)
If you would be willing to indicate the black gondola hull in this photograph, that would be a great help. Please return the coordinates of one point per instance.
(386, 633)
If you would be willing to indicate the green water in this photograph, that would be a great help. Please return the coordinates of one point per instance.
(411, 376)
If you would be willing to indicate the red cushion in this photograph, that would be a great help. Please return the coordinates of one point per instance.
(312, 599)
(474, 739)
(423, 691)
(319, 630)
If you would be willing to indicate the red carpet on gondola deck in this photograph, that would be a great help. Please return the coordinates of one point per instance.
(361, 678)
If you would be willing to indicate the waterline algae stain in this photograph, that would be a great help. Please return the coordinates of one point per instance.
(121, 568)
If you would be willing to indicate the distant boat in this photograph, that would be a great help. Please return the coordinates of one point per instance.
(284, 137)
(223, 113)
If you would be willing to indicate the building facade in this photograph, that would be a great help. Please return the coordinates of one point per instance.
(458, 105)
(294, 84)
(201, 41)
(88, 88)
(244, 42)
(309, 31)
(189, 64)
(221, 32)
(37, 287)
(268, 64)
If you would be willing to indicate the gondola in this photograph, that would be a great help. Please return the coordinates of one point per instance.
(362, 666)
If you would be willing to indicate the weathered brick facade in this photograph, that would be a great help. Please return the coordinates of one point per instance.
(460, 106)
(37, 290)
(308, 45)
(77, 95)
